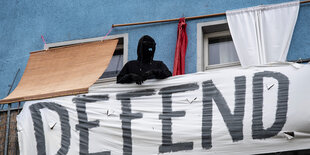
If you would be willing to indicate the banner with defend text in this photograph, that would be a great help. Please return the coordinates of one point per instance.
(229, 111)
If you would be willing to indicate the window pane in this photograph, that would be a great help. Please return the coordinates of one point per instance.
(114, 67)
(116, 63)
(222, 50)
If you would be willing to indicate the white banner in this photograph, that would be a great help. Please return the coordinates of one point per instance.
(229, 111)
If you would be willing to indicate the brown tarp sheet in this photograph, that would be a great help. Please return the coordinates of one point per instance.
(63, 71)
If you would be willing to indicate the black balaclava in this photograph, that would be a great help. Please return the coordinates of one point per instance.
(146, 49)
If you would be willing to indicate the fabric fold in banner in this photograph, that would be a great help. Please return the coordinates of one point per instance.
(263, 34)
(180, 49)
(63, 71)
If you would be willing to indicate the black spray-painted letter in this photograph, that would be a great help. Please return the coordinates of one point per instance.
(166, 116)
(84, 125)
(127, 116)
(38, 126)
(258, 131)
(234, 122)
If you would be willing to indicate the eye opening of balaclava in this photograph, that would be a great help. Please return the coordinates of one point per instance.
(146, 49)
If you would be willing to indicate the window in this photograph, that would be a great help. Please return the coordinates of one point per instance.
(116, 63)
(215, 48)
(119, 57)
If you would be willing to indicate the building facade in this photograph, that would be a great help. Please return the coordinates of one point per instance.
(24, 22)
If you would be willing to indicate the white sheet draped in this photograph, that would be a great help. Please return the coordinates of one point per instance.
(262, 34)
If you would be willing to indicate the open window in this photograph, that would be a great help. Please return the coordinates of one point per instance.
(215, 48)
(116, 63)
(119, 58)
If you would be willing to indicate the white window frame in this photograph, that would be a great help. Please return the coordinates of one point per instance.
(71, 42)
(202, 46)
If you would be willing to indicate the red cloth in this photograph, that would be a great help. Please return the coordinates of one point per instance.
(180, 49)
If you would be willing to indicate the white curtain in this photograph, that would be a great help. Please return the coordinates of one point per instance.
(262, 34)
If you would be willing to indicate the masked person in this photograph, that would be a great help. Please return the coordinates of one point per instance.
(145, 67)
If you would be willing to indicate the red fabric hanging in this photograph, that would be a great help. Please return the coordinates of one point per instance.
(180, 49)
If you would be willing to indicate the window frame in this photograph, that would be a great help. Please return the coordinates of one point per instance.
(71, 42)
(202, 46)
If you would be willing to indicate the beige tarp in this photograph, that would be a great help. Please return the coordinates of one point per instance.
(63, 71)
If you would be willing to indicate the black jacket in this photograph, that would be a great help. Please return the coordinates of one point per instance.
(144, 67)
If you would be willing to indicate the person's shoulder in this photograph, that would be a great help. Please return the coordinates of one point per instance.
(157, 61)
(132, 62)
